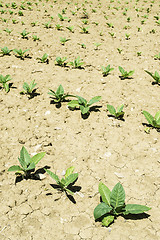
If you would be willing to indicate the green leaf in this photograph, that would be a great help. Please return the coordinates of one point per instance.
(70, 179)
(94, 100)
(81, 100)
(101, 210)
(36, 158)
(24, 156)
(104, 192)
(135, 209)
(15, 168)
(83, 109)
(130, 73)
(149, 73)
(106, 221)
(52, 175)
(6, 87)
(69, 171)
(148, 116)
(30, 167)
(120, 108)
(73, 104)
(117, 198)
(157, 116)
(111, 109)
(121, 70)
(69, 191)
(60, 91)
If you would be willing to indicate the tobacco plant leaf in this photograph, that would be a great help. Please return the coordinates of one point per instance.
(105, 193)
(157, 116)
(73, 104)
(101, 210)
(135, 209)
(15, 168)
(94, 100)
(70, 179)
(24, 156)
(148, 116)
(111, 109)
(120, 108)
(52, 175)
(69, 171)
(83, 109)
(107, 220)
(36, 158)
(117, 198)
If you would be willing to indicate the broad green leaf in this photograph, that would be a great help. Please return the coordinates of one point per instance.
(157, 116)
(157, 77)
(26, 87)
(36, 158)
(15, 168)
(31, 166)
(73, 104)
(111, 109)
(52, 92)
(6, 87)
(69, 171)
(130, 73)
(60, 91)
(101, 210)
(24, 156)
(148, 116)
(83, 109)
(135, 209)
(70, 179)
(107, 220)
(94, 100)
(120, 108)
(52, 175)
(105, 193)
(117, 198)
(69, 191)
(81, 100)
(121, 70)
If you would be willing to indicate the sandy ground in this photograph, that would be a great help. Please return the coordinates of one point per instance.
(100, 147)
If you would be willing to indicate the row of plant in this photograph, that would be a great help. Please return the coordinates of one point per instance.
(112, 202)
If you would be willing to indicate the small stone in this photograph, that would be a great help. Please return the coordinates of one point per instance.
(47, 113)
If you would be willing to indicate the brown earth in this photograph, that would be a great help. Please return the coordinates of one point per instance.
(100, 148)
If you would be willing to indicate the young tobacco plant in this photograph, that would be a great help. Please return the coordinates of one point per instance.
(124, 73)
(77, 63)
(117, 114)
(43, 59)
(5, 51)
(4, 80)
(83, 104)
(155, 76)
(64, 183)
(27, 163)
(59, 95)
(24, 34)
(106, 70)
(61, 18)
(153, 121)
(64, 40)
(20, 53)
(157, 56)
(113, 204)
(61, 61)
(29, 88)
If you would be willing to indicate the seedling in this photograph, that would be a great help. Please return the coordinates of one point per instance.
(71, 29)
(59, 27)
(119, 50)
(77, 63)
(24, 34)
(110, 25)
(139, 54)
(124, 73)
(83, 104)
(61, 61)
(82, 45)
(29, 88)
(157, 57)
(65, 182)
(117, 114)
(85, 21)
(97, 45)
(35, 38)
(20, 53)
(153, 121)
(156, 76)
(8, 30)
(112, 34)
(113, 204)
(63, 40)
(61, 18)
(4, 80)
(106, 70)
(47, 25)
(27, 163)
(59, 95)
(33, 24)
(127, 36)
(14, 21)
(44, 59)
(84, 29)
(5, 51)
